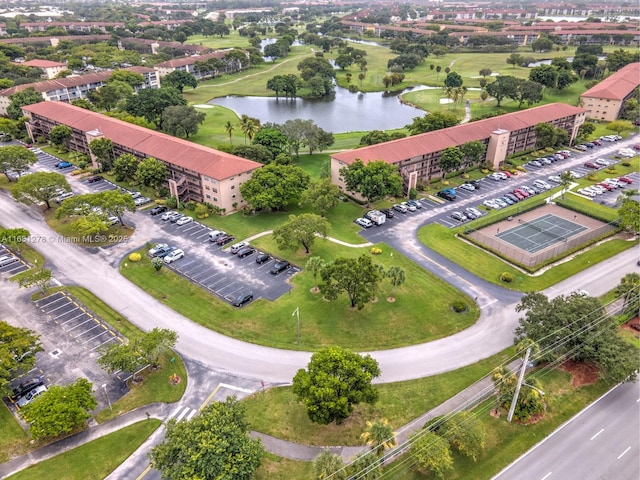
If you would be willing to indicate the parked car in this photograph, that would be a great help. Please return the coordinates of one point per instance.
(606, 186)
(593, 165)
(542, 184)
(113, 220)
(7, 259)
(184, 220)
(24, 388)
(596, 142)
(536, 189)
(158, 210)
(388, 212)
(588, 193)
(242, 299)
(400, 208)
(64, 196)
(235, 248)
(214, 234)
(31, 396)
(625, 180)
(408, 206)
(581, 147)
(467, 186)
(528, 189)
(263, 258)
(167, 216)
(246, 251)
(165, 251)
(598, 189)
(446, 195)
(603, 162)
(64, 165)
(507, 200)
(593, 189)
(279, 266)
(177, 254)
(175, 217)
(491, 204)
(415, 203)
(474, 211)
(555, 179)
(501, 202)
(469, 214)
(474, 183)
(512, 197)
(364, 222)
(521, 194)
(94, 178)
(224, 239)
(153, 251)
(459, 216)
(574, 174)
(589, 145)
(636, 146)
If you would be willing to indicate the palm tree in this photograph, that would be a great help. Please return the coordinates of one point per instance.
(327, 464)
(396, 276)
(314, 265)
(229, 128)
(379, 436)
(249, 126)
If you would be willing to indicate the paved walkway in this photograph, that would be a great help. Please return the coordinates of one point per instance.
(331, 239)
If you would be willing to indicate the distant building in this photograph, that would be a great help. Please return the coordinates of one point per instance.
(196, 172)
(605, 101)
(190, 65)
(50, 69)
(418, 157)
(73, 87)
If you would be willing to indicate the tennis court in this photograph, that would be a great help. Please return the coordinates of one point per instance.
(540, 233)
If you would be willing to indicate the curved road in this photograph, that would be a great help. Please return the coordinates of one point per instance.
(493, 332)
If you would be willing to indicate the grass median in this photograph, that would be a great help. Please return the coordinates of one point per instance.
(13, 439)
(277, 412)
(96, 459)
(421, 311)
(489, 267)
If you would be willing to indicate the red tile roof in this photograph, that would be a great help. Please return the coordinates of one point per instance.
(42, 63)
(181, 62)
(68, 82)
(618, 85)
(182, 153)
(415, 146)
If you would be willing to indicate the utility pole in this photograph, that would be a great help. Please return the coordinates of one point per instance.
(518, 385)
(296, 312)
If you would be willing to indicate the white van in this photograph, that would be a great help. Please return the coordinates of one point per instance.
(214, 234)
(237, 246)
(7, 260)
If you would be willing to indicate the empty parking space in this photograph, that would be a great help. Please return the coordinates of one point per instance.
(10, 263)
(83, 326)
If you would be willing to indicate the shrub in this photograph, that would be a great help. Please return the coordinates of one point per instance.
(521, 168)
(592, 177)
(375, 250)
(485, 170)
(626, 164)
(413, 194)
(465, 176)
(459, 306)
(507, 277)
(611, 170)
(171, 202)
(190, 205)
(135, 257)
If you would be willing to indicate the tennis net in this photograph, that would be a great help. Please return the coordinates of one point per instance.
(549, 233)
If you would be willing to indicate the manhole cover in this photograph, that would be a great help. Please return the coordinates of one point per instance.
(56, 352)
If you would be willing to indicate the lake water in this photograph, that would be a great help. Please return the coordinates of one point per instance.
(346, 112)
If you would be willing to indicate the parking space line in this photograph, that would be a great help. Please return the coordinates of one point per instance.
(42, 307)
(205, 234)
(79, 325)
(234, 292)
(104, 343)
(68, 311)
(96, 336)
(77, 316)
(97, 325)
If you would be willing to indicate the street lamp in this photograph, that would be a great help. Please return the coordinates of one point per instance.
(104, 387)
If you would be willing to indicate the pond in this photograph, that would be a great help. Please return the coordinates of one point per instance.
(345, 112)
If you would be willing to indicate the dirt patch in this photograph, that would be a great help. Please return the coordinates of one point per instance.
(633, 325)
(581, 373)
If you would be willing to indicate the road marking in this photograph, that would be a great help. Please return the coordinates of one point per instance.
(601, 430)
(181, 416)
(209, 398)
(620, 456)
(144, 472)
(174, 413)
(232, 387)
(191, 415)
(546, 476)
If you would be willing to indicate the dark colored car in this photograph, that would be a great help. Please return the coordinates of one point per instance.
(24, 388)
(279, 266)
(165, 251)
(94, 178)
(224, 239)
(263, 258)
(240, 300)
(64, 164)
(512, 197)
(475, 183)
(446, 195)
(245, 252)
(388, 212)
(158, 210)
(595, 166)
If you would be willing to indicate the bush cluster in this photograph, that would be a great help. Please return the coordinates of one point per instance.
(459, 306)
(507, 277)
(375, 250)
(135, 257)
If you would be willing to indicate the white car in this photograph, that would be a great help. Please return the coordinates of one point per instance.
(167, 215)
(157, 248)
(588, 193)
(31, 396)
(574, 174)
(184, 220)
(501, 202)
(542, 184)
(529, 190)
(555, 179)
(603, 162)
(410, 207)
(614, 181)
(598, 189)
(475, 211)
(177, 254)
(467, 186)
(491, 204)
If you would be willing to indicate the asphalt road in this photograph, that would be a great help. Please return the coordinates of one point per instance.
(98, 271)
(601, 442)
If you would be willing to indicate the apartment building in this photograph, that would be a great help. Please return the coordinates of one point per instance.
(49, 69)
(196, 173)
(605, 101)
(418, 157)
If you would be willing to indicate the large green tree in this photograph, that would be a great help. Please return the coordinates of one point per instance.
(179, 79)
(39, 187)
(125, 167)
(578, 328)
(18, 348)
(450, 160)
(329, 465)
(335, 380)
(373, 180)
(545, 75)
(629, 213)
(432, 121)
(273, 187)
(472, 152)
(152, 172)
(432, 453)
(357, 277)
(61, 409)
(321, 195)
(151, 102)
(28, 96)
(60, 135)
(132, 79)
(110, 203)
(215, 444)
(504, 86)
(301, 230)
(182, 120)
(545, 135)
(465, 433)
(37, 278)
(111, 95)
(16, 158)
(102, 149)
(273, 139)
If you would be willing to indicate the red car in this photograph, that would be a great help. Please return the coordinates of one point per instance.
(625, 180)
(595, 166)
(596, 142)
(521, 194)
(606, 186)
(508, 174)
(636, 146)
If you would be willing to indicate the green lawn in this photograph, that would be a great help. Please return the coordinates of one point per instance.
(420, 313)
(278, 468)
(490, 267)
(277, 412)
(13, 439)
(96, 459)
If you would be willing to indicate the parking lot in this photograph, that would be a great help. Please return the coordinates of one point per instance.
(215, 269)
(11, 264)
